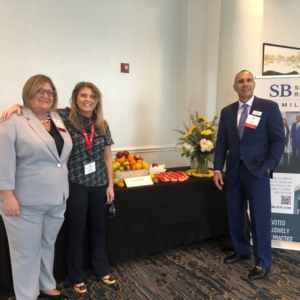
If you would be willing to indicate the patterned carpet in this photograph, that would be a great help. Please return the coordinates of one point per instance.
(195, 272)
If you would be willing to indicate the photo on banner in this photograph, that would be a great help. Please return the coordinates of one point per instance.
(285, 185)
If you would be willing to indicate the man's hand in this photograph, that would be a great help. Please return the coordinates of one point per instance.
(218, 180)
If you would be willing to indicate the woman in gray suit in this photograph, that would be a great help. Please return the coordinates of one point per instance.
(90, 179)
(34, 149)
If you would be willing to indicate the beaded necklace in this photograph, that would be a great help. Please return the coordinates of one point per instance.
(47, 121)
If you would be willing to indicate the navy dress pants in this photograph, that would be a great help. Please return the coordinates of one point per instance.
(257, 191)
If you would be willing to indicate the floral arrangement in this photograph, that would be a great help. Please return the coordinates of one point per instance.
(199, 139)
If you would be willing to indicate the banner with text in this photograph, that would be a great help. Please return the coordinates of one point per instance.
(285, 185)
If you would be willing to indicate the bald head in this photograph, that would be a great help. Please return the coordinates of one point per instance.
(246, 71)
(244, 85)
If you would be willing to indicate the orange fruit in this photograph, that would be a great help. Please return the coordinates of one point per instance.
(139, 161)
(133, 166)
(121, 160)
(145, 165)
(121, 184)
(138, 166)
(130, 157)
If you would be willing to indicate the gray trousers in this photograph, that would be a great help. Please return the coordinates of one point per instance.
(31, 237)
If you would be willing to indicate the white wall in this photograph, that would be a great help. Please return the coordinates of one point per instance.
(172, 47)
(282, 22)
(74, 41)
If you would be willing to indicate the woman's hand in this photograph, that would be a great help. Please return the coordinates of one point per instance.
(13, 109)
(11, 204)
(110, 194)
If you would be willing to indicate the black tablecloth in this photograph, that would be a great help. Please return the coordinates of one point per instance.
(148, 219)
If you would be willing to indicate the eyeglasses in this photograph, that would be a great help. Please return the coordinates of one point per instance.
(50, 93)
(112, 210)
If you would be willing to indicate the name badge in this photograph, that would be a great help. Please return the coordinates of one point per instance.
(89, 167)
(256, 113)
(252, 121)
(59, 125)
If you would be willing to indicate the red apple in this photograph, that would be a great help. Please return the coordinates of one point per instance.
(154, 165)
(125, 153)
(137, 156)
(119, 154)
(127, 167)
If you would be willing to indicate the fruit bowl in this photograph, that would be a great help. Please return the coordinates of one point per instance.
(129, 174)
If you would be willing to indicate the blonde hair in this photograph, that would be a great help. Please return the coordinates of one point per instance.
(97, 114)
(32, 85)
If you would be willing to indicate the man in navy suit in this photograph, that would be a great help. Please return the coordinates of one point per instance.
(251, 141)
(295, 139)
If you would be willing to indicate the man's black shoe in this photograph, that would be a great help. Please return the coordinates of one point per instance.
(258, 272)
(235, 258)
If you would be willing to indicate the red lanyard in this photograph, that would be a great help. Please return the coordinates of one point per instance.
(89, 140)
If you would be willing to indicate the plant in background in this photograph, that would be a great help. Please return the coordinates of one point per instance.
(199, 140)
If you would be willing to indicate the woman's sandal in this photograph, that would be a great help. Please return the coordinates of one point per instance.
(109, 280)
(80, 289)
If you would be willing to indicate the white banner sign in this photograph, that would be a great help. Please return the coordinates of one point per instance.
(285, 186)
(285, 90)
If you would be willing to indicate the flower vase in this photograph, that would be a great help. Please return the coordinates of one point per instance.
(202, 165)
(194, 163)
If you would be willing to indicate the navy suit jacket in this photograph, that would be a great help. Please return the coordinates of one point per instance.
(295, 133)
(261, 148)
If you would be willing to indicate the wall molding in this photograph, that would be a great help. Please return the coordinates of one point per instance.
(148, 149)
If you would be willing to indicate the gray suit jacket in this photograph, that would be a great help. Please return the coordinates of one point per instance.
(29, 161)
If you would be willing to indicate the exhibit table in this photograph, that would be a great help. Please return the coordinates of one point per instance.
(148, 219)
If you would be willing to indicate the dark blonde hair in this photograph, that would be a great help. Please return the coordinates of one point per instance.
(32, 85)
(97, 115)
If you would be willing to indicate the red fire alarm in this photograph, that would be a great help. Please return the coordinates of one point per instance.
(124, 68)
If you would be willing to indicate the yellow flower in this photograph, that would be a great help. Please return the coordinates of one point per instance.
(192, 128)
(190, 131)
(206, 132)
(201, 119)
